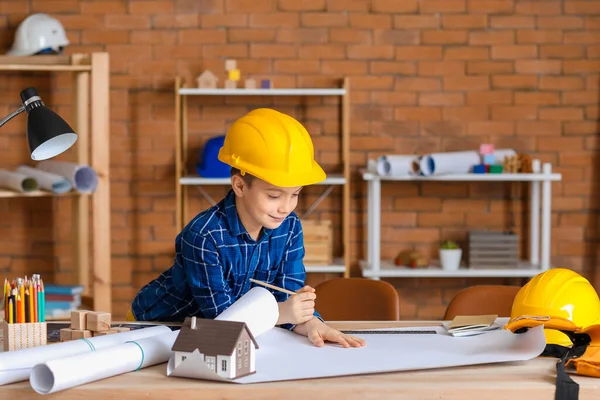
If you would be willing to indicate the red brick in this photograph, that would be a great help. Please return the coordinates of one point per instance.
(443, 6)
(393, 6)
(491, 37)
(466, 83)
(158, 37)
(296, 35)
(444, 37)
(418, 52)
(220, 21)
(582, 7)
(490, 67)
(394, 98)
(370, 21)
(418, 84)
(274, 20)
(370, 52)
(513, 52)
(127, 22)
(538, 66)
(464, 21)
(251, 35)
(466, 114)
(539, 128)
(514, 81)
(491, 6)
(441, 99)
(323, 19)
(538, 8)
(490, 128)
(441, 68)
(562, 51)
(319, 51)
(344, 67)
(348, 5)
(581, 66)
(395, 37)
(489, 97)
(55, 6)
(579, 97)
(259, 6)
(561, 113)
(349, 35)
(581, 128)
(151, 7)
(560, 22)
(418, 113)
(581, 37)
(510, 113)
(540, 36)
(560, 143)
(561, 83)
(467, 53)
(392, 67)
(511, 22)
(105, 37)
(178, 21)
(416, 21)
(540, 98)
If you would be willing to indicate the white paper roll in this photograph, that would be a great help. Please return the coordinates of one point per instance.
(46, 180)
(82, 177)
(16, 365)
(17, 181)
(458, 162)
(64, 373)
(397, 165)
(257, 308)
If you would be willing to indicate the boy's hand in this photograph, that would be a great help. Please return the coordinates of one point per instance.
(298, 308)
(318, 332)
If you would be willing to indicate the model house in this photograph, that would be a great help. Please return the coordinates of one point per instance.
(207, 80)
(227, 347)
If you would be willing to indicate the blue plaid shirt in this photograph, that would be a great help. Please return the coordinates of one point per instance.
(215, 258)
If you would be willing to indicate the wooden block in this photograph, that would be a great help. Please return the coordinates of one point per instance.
(78, 319)
(266, 84)
(66, 334)
(98, 321)
(250, 84)
(229, 84)
(104, 333)
(230, 65)
(233, 75)
(80, 334)
(121, 329)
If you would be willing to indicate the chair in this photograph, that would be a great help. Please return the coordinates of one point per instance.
(357, 299)
(481, 300)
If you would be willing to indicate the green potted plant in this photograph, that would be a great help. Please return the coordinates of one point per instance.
(450, 255)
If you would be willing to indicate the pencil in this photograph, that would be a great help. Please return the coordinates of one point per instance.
(272, 286)
(10, 310)
(43, 302)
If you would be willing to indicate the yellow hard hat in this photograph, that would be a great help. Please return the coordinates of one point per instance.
(272, 146)
(558, 292)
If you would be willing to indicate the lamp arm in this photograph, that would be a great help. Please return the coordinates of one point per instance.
(12, 115)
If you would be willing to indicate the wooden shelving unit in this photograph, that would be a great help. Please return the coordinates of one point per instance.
(91, 121)
(184, 179)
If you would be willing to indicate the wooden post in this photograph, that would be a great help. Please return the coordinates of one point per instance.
(100, 126)
(80, 263)
(346, 161)
(178, 157)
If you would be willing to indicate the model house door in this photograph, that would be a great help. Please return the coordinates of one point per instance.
(211, 363)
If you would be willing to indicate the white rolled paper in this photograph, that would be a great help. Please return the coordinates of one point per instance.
(82, 177)
(397, 165)
(458, 162)
(15, 366)
(64, 373)
(46, 180)
(17, 181)
(257, 308)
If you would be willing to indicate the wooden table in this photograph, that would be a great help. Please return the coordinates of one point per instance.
(531, 380)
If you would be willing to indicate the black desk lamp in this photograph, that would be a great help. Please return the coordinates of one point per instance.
(48, 134)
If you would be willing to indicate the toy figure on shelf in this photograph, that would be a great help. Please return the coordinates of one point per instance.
(411, 259)
(207, 80)
(233, 74)
(520, 163)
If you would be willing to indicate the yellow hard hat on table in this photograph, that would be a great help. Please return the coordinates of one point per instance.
(272, 146)
(561, 293)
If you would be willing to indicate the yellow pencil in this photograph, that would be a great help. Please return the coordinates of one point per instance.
(272, 286)
(10, 311)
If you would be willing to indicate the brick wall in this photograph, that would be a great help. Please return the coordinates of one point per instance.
(426, 76)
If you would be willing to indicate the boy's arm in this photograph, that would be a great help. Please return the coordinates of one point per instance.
(292, 274)
(205, 274)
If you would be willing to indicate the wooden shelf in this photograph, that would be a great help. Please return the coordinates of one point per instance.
(389, 270)
(90, 118)
(262, 92)
(38, 193)
(538, 177)
(332, 179)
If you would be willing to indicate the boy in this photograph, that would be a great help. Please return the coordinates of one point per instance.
(251, 233)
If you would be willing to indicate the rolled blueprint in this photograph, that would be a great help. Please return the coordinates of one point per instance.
(458, 162)
(82, 177)
(65, 373)
(16, 366)
(397, 165)
(17, 181)
(46, 180)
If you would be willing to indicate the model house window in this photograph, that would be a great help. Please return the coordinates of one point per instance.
(210, 363)
(245, 361)
(239, 363)
(183, 358)
(245, 347)
(239, 348)
(223, 365)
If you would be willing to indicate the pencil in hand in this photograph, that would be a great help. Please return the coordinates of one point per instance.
(272, 286)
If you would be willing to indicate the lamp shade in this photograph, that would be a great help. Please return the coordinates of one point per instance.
(48, 134)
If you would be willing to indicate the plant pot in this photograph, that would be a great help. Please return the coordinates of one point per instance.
(450, 259)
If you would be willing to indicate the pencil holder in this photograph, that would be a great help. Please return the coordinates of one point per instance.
(25, 335)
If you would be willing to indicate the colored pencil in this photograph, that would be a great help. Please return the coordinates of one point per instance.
(272, 286)
(10, 310)
(43, 302)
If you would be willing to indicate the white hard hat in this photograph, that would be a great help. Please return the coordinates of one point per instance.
(39, 33)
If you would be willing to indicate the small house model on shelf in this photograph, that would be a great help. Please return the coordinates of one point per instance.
(228, 348)
(207, 80)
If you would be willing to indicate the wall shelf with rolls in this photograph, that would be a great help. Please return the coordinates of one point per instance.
(90, 74)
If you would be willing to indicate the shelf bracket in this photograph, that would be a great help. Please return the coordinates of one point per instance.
(318, 201)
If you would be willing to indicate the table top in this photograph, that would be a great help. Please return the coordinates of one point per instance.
(534, 379)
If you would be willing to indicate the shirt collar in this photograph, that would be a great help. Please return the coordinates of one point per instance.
(233, 219)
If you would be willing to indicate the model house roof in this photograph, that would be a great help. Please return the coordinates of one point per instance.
(208, 75)
(210, 336)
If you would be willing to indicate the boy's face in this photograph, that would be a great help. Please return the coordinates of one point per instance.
(265, 204)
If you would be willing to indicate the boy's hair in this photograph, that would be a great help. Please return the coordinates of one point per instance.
(246, 177)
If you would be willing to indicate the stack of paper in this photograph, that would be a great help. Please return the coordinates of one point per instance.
(469, 325)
